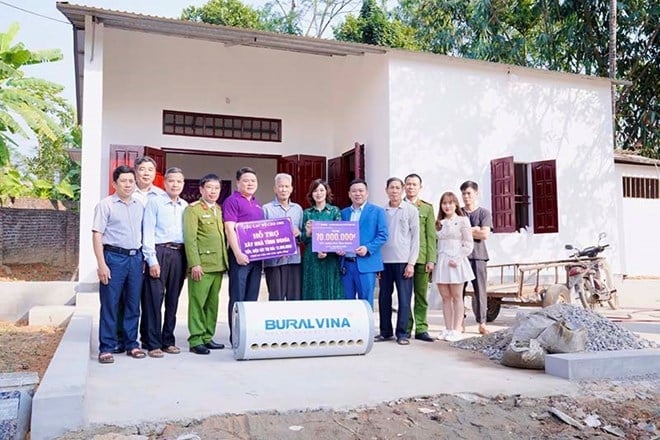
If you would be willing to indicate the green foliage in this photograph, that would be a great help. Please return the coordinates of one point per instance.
(225, 12)
(373, 26)
(37, 105)
(565, 35)
(25, 101)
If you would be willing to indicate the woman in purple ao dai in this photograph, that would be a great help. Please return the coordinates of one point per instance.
(453, 269)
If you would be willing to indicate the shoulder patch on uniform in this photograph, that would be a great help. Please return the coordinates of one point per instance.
(195, 203)
(425, 202)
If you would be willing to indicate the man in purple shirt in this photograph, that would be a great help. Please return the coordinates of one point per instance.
(242, 206)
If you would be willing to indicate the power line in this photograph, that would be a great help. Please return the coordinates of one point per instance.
(33, 13)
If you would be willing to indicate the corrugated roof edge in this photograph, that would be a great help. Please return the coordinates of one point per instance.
(320, 46)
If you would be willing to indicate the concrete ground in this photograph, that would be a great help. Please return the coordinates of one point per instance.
(187, 386)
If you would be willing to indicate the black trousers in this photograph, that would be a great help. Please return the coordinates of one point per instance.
(284, 282)
(156, 330)
(244, 283)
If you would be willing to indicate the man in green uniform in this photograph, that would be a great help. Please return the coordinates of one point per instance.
(426, 259)
(206, 252)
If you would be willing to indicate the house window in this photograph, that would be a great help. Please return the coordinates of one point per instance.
(514, 185)
(641, 187)
(221, 126)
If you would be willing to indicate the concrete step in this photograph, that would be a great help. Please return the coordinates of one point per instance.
(50, 315)
(88, 300)
(603, 364)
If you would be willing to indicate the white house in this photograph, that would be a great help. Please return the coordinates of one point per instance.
(639, 181)
(211, 99)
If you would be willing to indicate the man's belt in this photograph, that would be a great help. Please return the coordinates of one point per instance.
(174, 246)
(119, 250)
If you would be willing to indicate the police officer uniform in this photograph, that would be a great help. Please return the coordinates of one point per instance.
(427, 254)
(205, 245)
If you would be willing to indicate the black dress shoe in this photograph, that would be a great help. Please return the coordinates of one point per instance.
(200, 349)
(424, 337)
(212, 345)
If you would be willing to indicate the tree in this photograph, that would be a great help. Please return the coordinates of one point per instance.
(565, 35)
(373, 26)
(26, 102)
(226, 13)
(311, 18)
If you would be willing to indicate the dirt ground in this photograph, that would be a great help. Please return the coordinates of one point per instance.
(613, 409)
(34, 272)
(27, 348)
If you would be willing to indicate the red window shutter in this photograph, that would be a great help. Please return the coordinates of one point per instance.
(544, 197)
(502, 190)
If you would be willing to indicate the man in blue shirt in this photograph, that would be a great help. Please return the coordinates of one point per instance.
(117, 241)
(162, 246)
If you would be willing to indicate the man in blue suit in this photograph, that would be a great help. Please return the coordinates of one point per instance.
(359, 268)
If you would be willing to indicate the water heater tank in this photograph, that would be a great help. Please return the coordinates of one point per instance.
(282, 329)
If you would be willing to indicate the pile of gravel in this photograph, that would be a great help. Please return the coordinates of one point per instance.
(602, 334)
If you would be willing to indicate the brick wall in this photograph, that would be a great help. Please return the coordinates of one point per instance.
(43, 232)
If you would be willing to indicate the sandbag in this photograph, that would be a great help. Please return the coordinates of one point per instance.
(530, 326)
(563, 337)
(524, 354)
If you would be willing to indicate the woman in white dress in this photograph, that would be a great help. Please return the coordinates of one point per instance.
(453, 268)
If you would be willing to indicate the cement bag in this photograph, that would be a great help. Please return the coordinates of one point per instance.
(524, 354)
(530, 326)
(562, 337)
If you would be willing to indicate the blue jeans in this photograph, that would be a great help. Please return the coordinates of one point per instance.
(392, 275)
(125, 285)
(358, 284)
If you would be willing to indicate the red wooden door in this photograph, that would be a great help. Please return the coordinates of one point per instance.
(338, 180)
(502, 189)
(310, 168)
(304, 170)
(358, 151)
(122, 155)
(161, 160)
(544, 184)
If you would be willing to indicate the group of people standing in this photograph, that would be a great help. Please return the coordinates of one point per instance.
(148, 240)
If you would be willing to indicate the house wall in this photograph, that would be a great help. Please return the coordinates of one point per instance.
(132, 77)
(638, 245)
(154, 73)
(449, 118)
(361, 108)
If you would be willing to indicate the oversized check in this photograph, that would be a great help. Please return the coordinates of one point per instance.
(335, 236)
(264, 239)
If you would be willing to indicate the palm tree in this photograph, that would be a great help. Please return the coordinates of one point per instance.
(26, 102)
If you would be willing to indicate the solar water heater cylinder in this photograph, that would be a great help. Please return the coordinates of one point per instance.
(282, 329)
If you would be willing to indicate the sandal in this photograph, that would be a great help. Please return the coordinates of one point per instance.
(106, 358)
(483, 330)
(172, 349)
(157, 353)
(403, 341)
(136, 353)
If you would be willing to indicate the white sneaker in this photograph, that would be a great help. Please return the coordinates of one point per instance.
(453, 336)
(443, 335)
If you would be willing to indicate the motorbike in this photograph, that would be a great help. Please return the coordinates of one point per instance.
(590, 277)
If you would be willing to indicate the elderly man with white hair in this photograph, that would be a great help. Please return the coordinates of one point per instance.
(283, 274)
